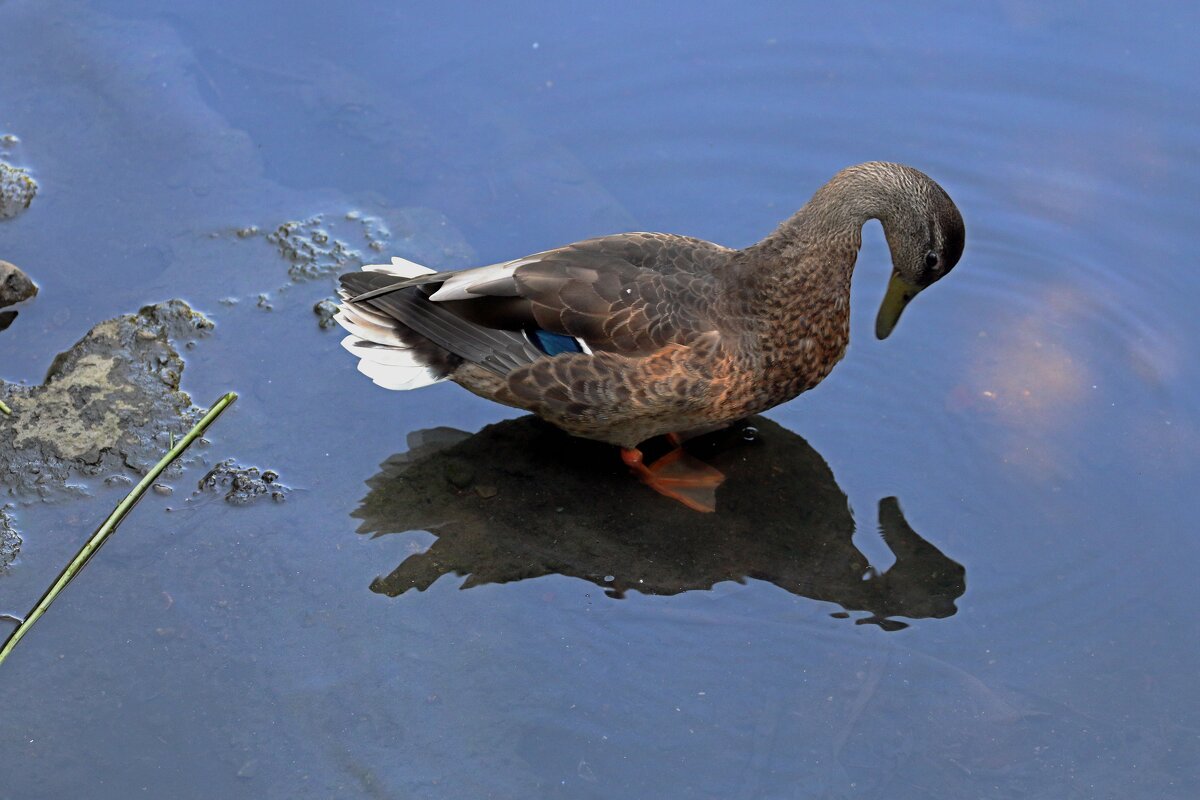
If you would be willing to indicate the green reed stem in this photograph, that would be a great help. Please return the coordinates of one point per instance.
(110, 525)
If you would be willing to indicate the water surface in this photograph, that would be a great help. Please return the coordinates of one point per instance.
(1033, 417)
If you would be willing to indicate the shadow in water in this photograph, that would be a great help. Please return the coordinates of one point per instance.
(520, 499)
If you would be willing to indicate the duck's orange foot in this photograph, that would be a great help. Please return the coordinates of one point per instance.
(679, 476)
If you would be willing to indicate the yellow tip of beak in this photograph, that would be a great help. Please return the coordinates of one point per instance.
(899, 293)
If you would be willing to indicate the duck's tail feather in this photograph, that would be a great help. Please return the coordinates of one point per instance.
(400, 267)
(443, 335)
(390, 367)
(389, 353)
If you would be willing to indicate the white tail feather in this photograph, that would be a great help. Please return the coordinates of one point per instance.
(364, 315)
(390, 367)
(397, 378)
(371, 333)
(369, 351)
(382, 354)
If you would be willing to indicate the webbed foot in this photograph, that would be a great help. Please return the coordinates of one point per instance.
(678, 475)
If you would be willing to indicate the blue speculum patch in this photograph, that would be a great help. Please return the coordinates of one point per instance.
(553, 343)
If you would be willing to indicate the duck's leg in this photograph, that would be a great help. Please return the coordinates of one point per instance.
(678, 475)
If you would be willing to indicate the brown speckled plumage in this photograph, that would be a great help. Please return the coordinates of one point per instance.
(683, 334)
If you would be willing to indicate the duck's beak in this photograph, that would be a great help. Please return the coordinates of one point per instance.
(899, 292)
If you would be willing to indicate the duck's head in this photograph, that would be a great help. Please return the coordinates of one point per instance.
(925, 233)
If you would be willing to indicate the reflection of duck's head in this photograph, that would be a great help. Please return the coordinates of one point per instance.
(520, 499)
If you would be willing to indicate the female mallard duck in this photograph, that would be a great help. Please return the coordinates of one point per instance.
(636, 335)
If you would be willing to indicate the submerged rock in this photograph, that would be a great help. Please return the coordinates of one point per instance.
(15, 285)
(243, 485)
(109, 404)
(10, 540)
(325, 309)
(17, 190)
(310, 249)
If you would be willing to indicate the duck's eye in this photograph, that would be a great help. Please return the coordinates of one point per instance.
(931, 259)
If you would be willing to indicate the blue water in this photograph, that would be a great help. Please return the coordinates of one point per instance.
(1034, 414)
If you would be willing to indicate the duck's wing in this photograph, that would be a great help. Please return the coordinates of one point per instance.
(630, 294)
(657, 252)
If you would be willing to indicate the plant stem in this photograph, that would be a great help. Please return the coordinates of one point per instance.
(5, 409)
(110, 525)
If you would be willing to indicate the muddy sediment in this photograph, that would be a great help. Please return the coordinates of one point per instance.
(10, 540)
(109, 404)
(243, 485)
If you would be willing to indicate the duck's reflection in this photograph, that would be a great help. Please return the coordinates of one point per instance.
(520, 499)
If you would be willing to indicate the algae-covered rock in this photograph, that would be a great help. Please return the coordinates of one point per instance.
(10, 540)
(15, 285)
(311, 250)
(17, 190)
(108, 404)
(325, 311)
(243, 485)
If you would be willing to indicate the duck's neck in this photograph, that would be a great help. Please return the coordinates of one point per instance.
(817, 246)
(837, 212)
(796, 282)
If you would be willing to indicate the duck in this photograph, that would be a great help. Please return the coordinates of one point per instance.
(633, 336)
